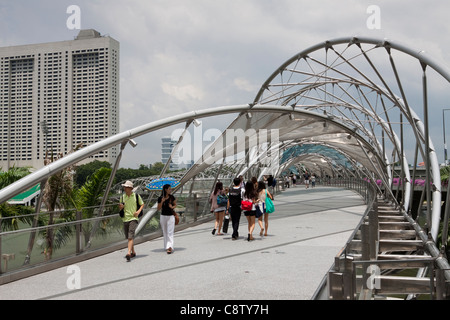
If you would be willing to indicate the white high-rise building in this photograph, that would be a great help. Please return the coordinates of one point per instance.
(55, 96)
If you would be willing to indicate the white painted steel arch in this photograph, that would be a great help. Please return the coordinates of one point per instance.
(343, 73)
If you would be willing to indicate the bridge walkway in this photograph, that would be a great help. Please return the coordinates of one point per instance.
(305, 233)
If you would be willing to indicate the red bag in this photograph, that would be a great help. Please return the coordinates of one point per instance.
(246, 205)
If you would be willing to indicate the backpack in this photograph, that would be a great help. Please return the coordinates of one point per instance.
(235, 197)
(222, 200)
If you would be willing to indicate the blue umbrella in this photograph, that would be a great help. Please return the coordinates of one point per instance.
(157, 184)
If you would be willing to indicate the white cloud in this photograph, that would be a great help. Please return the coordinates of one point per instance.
(245, 85)
(183, 93)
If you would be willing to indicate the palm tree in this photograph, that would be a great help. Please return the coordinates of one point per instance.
(89, 197)
(57, 190)
(6, 210)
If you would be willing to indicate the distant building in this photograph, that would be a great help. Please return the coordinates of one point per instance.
(167, 145)
(54, 96)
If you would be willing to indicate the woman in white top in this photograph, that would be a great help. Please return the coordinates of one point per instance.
(262, 194)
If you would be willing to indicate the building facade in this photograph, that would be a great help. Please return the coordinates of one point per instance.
(167, 145)
(57, 96)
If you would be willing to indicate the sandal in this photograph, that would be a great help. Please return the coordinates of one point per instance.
(169, 251)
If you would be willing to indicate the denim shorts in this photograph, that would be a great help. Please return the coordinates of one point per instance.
(129, 229)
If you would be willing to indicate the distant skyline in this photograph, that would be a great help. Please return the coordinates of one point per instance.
(184, 55)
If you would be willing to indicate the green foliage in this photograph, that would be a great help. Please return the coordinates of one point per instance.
(82, 172)
(12, 175)
(91, 193)
(123, 174)
(445, 172)
(6, 210)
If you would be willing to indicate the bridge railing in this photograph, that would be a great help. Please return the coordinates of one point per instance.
(341, 281)
(75, 237)
(354, 273)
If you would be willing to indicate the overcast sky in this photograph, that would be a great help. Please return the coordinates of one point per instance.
(183, 55)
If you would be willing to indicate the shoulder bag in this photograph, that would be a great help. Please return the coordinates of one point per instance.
(269, 204)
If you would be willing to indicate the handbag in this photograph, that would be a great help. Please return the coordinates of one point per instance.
(177, 217)
(246, 205)
(269, 204)
(259, 209)
(226, 222)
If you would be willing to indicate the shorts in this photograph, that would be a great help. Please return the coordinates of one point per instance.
(250, 213)
(129, 228)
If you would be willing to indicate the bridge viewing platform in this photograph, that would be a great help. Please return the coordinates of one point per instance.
(305, 233)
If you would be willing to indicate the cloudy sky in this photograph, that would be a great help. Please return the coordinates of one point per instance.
(184, 55)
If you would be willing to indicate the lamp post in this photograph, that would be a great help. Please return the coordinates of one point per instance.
(443, 128)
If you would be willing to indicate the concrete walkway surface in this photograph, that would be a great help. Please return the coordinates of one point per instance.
(306, 231)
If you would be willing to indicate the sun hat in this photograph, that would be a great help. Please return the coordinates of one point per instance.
(128, 184)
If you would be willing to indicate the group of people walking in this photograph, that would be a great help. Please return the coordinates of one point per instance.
(249, 198)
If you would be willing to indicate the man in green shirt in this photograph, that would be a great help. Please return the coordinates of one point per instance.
(130, 218)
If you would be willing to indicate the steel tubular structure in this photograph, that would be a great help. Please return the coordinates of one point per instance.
(340, 106)
(357, 81)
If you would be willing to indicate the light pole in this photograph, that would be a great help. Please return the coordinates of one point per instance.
(443, 128)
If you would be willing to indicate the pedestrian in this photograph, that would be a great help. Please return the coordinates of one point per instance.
(255, 182)
(262, 194)
(167, 204)
(242, 183)
(313, 180)
(218, 206)
(270, 182)
(287, 181)
(306, 176)
(234, 206)
(250, 196)
(130, 204)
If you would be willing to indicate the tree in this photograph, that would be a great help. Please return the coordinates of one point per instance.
(57, 191)
(90, 195)
(82, 172)
(6, 210)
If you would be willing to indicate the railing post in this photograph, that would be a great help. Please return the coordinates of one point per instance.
(373, 231)
(78, 233)
(342, 283)
(441, 290)
(195, 207)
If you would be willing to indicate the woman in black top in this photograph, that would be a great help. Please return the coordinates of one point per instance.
(167, 204)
